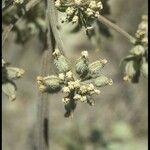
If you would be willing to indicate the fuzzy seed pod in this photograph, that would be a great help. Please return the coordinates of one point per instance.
(138, 50)
(14, 73)
(96, 66)
(102, 81)
(9, 90)
(62, 64)
(51, 84)
(144, 69)
(131, 72)
(82, 66)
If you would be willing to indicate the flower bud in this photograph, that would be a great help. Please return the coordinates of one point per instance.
(93, 5)
(62, 64)
(70, 11)
(14, 72)
(102, 81)
(131, 72)
(66, 89)
(75, 19)
(9, 90)
(57, 3)
(50, 84)
(138, 50)
(96, 66)
(61, 76)
(82, 67)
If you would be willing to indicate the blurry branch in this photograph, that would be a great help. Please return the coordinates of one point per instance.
(17, 19)
(116, 28)
(42, 132)
(42, 124)
(54, 24)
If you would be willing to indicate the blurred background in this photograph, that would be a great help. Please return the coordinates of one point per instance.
(119, 119)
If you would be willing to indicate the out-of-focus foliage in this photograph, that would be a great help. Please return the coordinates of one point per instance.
(9, 74)
(33, 21)
(137, 61)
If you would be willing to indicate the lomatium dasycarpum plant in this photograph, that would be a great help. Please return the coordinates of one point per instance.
(78, 86)
(137, 60)
(9, 74)
(80, 83)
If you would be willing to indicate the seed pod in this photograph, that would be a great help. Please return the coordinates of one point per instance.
(52, 84)
(62, 64)
(96, 66)
(9, 90)
(138, 50)
(131, 72)
(14, 73)
(144, 69)
(82, 66)
(102, 81)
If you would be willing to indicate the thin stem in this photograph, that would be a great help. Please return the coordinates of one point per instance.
(17, 19)
(108, 23)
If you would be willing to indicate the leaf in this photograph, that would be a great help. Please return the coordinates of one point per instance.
(9, 89)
